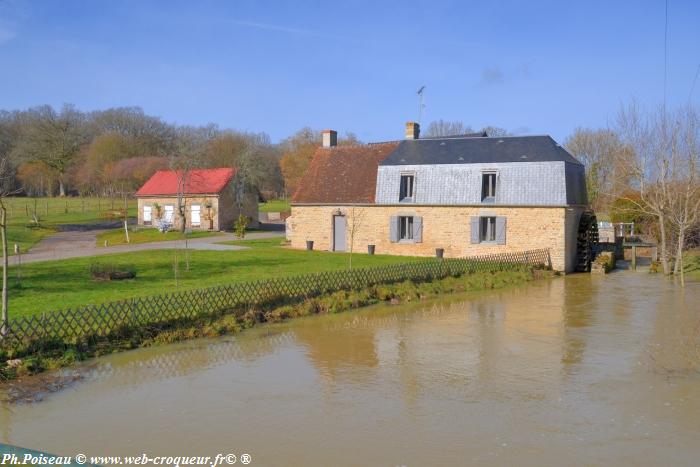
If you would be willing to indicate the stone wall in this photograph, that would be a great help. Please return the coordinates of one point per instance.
(224, 209)
(527, 228)
(172, 200)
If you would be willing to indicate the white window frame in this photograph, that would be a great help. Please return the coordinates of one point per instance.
(199, 215)
(411, 197)
(168, 209)
(489, 199)
(487, 229)
(147, 215)
(406, 226)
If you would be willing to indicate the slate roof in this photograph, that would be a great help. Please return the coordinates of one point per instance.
(343, 174)
(474, 150)
(199, 182)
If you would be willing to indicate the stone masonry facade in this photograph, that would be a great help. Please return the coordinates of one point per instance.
(189, 201)
(223, 211)
(447, 227)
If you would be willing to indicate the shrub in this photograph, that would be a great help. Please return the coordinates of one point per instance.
(240, 226)
(109, 272)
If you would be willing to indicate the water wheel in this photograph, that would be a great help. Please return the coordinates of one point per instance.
(586, 241)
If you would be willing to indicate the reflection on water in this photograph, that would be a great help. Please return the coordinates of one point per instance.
(583, 370)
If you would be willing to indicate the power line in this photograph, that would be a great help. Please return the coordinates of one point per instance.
(692, 86)
(665, 54)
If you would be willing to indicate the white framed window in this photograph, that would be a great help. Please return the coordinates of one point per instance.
(487, 229)
(147, 215)
(407, 188)
(168, 212)
(406, 228)
(488, 187)
(195, 215)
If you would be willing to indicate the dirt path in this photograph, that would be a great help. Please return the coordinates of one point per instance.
(65, 245)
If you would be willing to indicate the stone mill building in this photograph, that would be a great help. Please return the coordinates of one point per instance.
(467, 195)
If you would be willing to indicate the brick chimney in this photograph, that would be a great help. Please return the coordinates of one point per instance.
(412, 130)
(330, 138)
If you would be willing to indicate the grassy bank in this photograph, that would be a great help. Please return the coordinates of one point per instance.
(52, 212)
(52, 285)
(691, 264)
(40, 356)
(117, 237)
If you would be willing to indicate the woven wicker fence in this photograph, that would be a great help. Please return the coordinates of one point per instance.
(103, 319)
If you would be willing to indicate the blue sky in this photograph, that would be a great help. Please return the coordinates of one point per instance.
(533, 67)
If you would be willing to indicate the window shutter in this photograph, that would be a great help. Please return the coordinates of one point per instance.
(500, 230)
(394, 229)
(417, 229)
(475, 229)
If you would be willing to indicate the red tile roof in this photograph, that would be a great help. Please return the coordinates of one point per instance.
(198, 182)
(343, 174)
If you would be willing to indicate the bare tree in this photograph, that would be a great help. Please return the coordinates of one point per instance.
(357, 217)
(190, 146)
(684, 199)
(5, 191)
(53, 138)
(606, 159)
(496, 131)
(442, 127)
(664, 170)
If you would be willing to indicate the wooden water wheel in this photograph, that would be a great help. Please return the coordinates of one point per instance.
(586, 241)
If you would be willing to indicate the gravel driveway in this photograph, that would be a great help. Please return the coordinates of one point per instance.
(65, 245)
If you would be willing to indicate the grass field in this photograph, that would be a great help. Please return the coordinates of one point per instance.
(52, 212)
(275, 205)
(691, 264)
(117, 237)
(63, 284)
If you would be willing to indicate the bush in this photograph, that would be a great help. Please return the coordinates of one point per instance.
(240, 226)
(110, 272)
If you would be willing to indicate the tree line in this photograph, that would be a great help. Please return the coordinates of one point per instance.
(59, 152)
(642, 168)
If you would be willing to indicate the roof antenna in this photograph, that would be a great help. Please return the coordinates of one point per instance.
(421, 105)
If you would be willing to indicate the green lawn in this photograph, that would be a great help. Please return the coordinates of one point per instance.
(51, 212)
(62, 284)
(275, 205)
(117, 237)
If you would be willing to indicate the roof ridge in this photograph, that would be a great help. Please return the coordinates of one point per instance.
(359, 145)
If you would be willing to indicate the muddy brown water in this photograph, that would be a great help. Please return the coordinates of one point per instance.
(582, 370)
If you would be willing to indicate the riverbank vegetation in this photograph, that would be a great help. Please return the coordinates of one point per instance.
(691, 264)
(38, 356)
(67, 283)
(645, 169)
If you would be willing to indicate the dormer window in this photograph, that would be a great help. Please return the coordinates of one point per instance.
(408, 184)
(488, 187)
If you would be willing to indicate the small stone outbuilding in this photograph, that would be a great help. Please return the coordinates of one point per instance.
(209, 198)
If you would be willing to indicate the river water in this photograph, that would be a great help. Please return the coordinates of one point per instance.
(581, 370)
